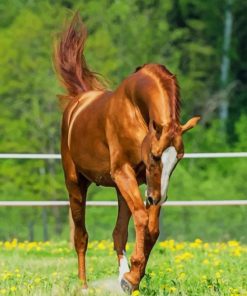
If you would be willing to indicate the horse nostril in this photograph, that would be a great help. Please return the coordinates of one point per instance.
(150, 200)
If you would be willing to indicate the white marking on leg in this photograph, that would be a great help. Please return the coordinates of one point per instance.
(123, 266)
(169, 160)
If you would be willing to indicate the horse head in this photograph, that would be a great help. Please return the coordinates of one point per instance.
(162, 149)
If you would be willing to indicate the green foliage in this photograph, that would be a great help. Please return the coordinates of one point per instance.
(186, 36)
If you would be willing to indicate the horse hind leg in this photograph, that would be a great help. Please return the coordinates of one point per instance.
(120, 235)
(77, 187)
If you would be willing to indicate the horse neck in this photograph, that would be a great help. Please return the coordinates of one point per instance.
(152, 100)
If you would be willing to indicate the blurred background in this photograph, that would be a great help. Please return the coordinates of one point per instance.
(202, 42)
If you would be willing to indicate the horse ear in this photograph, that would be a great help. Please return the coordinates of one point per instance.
(190, 123)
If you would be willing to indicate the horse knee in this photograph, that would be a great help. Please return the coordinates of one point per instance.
(141, 218)
(138, 260)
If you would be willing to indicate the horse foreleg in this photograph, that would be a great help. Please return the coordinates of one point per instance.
(128, 186)
(120, 235)
(153, 231)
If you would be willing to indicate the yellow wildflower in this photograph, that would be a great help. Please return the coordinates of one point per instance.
(135, 293)
(198, 241)
(182, 275)
(233, 243)
(216, 262)
(37, 280)
(236, 252)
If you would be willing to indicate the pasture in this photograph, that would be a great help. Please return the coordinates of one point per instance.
(174, 268)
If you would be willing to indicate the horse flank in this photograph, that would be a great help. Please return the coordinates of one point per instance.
(69, 61)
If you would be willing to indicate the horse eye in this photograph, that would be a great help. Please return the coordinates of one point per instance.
(156, 158)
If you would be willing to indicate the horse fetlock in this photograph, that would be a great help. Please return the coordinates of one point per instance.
(154, 234)
(137, 265)
(81, 242)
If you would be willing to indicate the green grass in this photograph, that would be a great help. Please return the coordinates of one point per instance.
(196, 268)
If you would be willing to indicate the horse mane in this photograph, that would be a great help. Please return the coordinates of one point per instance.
(170, 84)
(69, 61)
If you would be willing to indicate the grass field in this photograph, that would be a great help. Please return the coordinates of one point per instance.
(175, 268)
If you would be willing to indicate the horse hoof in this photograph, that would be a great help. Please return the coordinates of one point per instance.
(126, 286)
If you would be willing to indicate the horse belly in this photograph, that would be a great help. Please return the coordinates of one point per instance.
(99, 178)
(92, 160)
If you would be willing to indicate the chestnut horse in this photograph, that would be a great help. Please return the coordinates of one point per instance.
(121, 138)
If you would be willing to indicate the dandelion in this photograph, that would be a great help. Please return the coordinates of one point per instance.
(216, 262)
(172, 289)
(101, 246)
(233, 243)
(198, 241)
(13, 289)
(37, 280)
(237, 252)
(180, 246)
(181, 276)
(234, 291)
(183, 257)
(135, 293)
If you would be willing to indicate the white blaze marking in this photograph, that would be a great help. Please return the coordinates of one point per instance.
(169, 159)
(123, 267)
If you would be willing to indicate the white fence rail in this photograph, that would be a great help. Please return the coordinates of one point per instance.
(114, 203)
(186, 155)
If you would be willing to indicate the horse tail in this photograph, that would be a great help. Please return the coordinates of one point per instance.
(69, 61)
